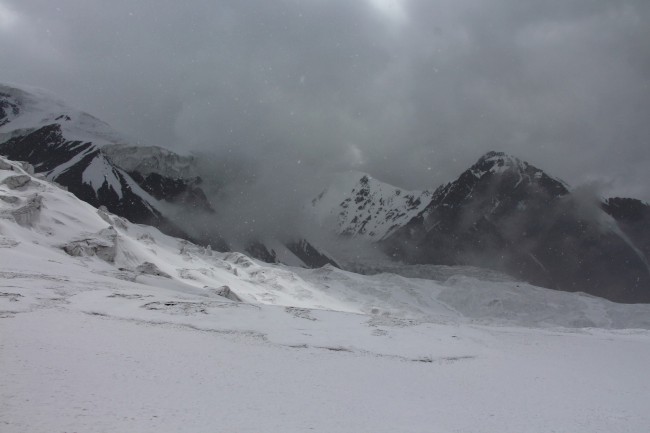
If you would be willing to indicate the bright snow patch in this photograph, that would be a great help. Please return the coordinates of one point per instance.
(99, 172)
(356, 204)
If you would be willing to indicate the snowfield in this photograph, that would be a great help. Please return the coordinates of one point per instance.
(108, 326)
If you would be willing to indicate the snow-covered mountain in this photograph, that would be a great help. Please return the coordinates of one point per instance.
(358, 205)
(95, 162)
(146, 184)
(504, 214)
(114, 326)
(45, 229)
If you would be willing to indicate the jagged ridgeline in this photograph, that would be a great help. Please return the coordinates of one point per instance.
(502, 213)
(507, 215)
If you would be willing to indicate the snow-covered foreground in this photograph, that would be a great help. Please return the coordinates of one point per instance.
(107, 326)
(274, 370)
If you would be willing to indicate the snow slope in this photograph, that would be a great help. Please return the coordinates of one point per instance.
(29, 109)
(36, 108)
(110, 326)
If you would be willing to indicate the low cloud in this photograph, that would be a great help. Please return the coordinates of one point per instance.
(412, 92)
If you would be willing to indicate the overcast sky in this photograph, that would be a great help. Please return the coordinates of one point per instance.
(411, 91)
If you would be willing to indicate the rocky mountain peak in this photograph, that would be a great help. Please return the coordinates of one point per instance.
(356, 204)
(508, 215)
(498, 162)
(498, 178)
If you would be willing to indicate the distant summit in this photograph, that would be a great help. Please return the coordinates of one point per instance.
(357, 205)
(504, 214)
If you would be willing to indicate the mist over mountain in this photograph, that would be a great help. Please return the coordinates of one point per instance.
(345, 216)
(148, 185)
(108, 306)
(506, 214)
(156, 186)
(412, 92)
(502, 213)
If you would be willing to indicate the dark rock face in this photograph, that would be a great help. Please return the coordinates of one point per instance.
(44, 148)
(310, 255)
(633, 217)
(507, 215)
(305, 251)
(259, 251)
(628, 210)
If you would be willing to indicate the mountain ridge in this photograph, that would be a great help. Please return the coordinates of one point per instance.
(358, 205)
(501, 213)
(145, 184)
(505, 214)
(93, 161)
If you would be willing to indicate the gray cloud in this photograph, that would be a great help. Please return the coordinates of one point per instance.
(412, 91)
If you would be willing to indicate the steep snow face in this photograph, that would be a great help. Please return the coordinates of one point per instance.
(31, 109)
(25, 110)
(358, 205)
(99, 172)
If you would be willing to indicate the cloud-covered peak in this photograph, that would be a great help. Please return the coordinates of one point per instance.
(342, 84)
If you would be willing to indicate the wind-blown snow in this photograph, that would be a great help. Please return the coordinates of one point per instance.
(110, 326)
